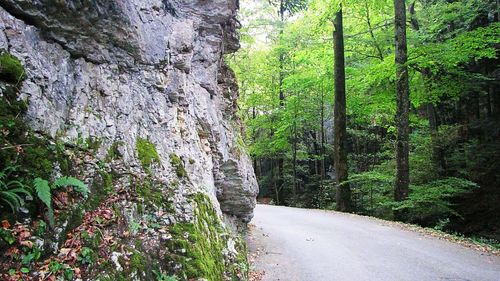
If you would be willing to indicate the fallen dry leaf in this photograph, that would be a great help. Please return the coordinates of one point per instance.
(25, 234)
(12, 251)
(26, 243)
(64, 251)
(5, 224)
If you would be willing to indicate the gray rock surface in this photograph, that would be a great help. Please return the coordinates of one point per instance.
(119, 70)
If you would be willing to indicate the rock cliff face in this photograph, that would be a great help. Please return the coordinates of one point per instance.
(145, 81)
(119, 70)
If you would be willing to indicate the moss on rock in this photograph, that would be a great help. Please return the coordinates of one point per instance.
(114, 152)
(150, 194)
(239, 268)
(146, 151)
(199, 245)
(11, 69)
(178, 165)
(36, 155)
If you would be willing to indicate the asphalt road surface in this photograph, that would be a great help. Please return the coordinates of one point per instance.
(312, 245)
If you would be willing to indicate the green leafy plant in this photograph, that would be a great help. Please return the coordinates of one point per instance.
(33, 255)
(6, 235)
(69, 274)
(431, 202)
(55, 266)
(86, 256)
(160, 276)
(11, 191)
(77, 185)
(40, 229)
(43, 191)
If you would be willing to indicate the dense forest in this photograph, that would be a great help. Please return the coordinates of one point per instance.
(375, 108)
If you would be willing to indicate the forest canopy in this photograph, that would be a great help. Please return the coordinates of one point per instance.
(285, 70)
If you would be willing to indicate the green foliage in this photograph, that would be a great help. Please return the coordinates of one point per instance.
(289, 6)
(285, 71)
(32, 155)
(11, 191)
(87, 256)
(11, 69)
(78, 185)
(431, 197)
(430, 203)
(43, 191)
(7, 236)
(160, 276)
(150, 195)
(147, 153)
(55, 266)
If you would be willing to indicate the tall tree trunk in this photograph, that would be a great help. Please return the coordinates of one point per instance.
(255, 161)
(322, 125)
(281, 59)
(315, 164)
(495, 100)
(294, 148)
(343, 194)
(322, 149)
(276, 188)
(402, 182)
(437, 152)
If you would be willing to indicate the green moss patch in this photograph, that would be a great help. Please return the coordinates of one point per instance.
(239, 268)
(19, 146)
(178, 165)
(147, 153)
(150, 194)
(198, 246)
(11, 69)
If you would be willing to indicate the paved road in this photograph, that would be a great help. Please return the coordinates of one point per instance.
(314, 245)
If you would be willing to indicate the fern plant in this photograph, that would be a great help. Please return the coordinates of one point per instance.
(44, 191)
(11, 191)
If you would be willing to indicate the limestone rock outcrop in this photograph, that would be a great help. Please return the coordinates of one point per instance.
(119, 71)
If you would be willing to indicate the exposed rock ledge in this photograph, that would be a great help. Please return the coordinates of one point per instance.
(119, 70)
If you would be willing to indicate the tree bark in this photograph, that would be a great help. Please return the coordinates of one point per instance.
(343, 194)
(402, 182)
(294, 147)
(281, 59)
(322, 149)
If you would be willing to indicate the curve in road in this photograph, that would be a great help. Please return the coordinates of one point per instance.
(316, 245)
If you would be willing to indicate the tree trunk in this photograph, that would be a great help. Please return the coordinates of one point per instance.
(314, 164)
(402, 183)
(322, 125)
(294, 147)
(343, 194)
(276, 188)
(437, 153)
(281, 59)
(255, 162)
(322, 150)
